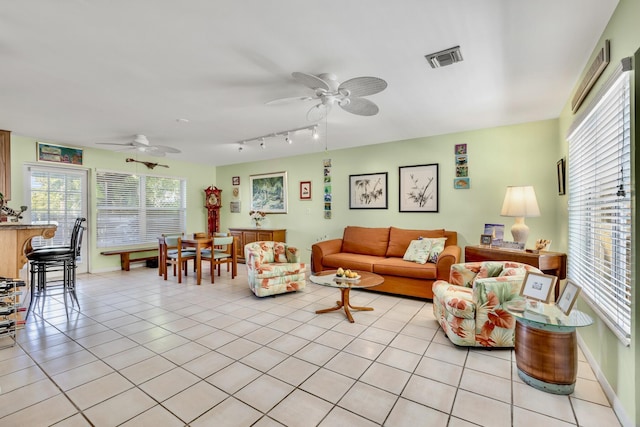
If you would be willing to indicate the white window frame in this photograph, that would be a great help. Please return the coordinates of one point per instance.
(130, 216)
(600, 216)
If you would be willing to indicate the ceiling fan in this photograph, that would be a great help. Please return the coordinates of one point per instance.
(142, 144)
(348, 94)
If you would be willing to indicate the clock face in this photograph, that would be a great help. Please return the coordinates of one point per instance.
(213, 200)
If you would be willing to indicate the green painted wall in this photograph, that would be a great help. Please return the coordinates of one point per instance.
(619, 364)
(523, 154)
(23, 151)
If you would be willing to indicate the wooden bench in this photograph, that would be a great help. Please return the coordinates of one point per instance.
(125, 256)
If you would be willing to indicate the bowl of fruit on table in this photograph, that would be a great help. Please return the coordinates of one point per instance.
(346, 275)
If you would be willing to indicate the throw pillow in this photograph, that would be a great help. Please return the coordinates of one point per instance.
(279, 254)
(418, 251)
(437, 246)
(513, 271)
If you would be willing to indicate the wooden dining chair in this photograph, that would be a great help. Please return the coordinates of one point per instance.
(222, 252)
(175, 255)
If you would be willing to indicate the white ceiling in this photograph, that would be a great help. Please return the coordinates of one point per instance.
(79, 72)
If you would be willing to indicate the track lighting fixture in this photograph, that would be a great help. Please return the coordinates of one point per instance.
(287, 136)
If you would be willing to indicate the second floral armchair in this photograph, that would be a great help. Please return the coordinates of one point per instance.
(274, 268)
(470, 306)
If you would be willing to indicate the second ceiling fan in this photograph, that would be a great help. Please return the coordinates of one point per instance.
(329, 92)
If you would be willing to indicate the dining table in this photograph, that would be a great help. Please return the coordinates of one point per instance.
(199, 244)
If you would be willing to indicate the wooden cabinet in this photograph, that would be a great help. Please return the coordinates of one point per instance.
(248, 235)
(5, 164)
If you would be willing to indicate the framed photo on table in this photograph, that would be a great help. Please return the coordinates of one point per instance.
(568, 297)
(537, 286)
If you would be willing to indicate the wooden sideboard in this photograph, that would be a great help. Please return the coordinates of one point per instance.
(554, 263)
(252, 234)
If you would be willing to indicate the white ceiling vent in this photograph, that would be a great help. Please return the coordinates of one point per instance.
(444, 57)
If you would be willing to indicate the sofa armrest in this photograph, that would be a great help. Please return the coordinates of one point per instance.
(449, 256)
(321, 249)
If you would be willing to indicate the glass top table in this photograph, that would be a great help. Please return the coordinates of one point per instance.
(547, 316)
(328, 278)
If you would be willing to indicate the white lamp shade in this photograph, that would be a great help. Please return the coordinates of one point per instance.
(520, 202)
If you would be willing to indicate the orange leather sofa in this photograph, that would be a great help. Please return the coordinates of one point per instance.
(380, 251)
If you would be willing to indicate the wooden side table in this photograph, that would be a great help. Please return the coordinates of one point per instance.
(554, 263)
(546, 346)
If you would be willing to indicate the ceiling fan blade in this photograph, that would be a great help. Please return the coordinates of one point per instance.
(311, 81)
(360, 106)
(363, 86)
(289, 99)
(165, 148)
(318, 112)
(127, 144)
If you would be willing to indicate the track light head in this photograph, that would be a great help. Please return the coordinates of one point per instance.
(263, 145)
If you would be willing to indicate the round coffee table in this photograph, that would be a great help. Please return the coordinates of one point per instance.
(328, 278)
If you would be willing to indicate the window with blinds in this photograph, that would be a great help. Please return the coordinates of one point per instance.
(600, 203)
(135, 209)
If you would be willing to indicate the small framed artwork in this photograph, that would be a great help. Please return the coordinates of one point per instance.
(537, 286)
(234, 207)
(461, 183)
(235, 180)
(368, 191)
(485, 239)
(419, 188)
(461, 148)
(568, 297)
(305, 190)
(59, 154)
(561, 166)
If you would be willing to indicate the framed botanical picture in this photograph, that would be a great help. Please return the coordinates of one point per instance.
(568, 297)
(537, 286)
(305, 190)
(269, 192)
(368, 191)
(419, 188)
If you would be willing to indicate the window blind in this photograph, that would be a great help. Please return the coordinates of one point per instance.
(136, 209)
(599, 256)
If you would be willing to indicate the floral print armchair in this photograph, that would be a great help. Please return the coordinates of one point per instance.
(470, 306)
(274, 268)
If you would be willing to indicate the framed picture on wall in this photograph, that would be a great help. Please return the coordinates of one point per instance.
(269, 192)
(419, 188)
(368, 191)
(561, 178)
(305, 190)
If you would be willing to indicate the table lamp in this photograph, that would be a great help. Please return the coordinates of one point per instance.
(520, 202)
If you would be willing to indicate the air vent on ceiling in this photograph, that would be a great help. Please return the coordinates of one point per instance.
(444, 57)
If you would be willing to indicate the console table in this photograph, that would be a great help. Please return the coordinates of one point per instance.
(253, 234)
(554, 263)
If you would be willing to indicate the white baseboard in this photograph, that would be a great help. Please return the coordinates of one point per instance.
(606, 387)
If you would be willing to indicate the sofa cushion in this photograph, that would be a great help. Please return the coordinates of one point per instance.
(418, 251)
(366, 241)
(400, 238)
(351, 261)
(401, 268)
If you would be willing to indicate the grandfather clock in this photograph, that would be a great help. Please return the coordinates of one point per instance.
(213, 201)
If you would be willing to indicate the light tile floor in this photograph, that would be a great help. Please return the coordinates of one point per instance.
(148, 352)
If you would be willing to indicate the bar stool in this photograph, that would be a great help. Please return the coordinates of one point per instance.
(61, 259)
